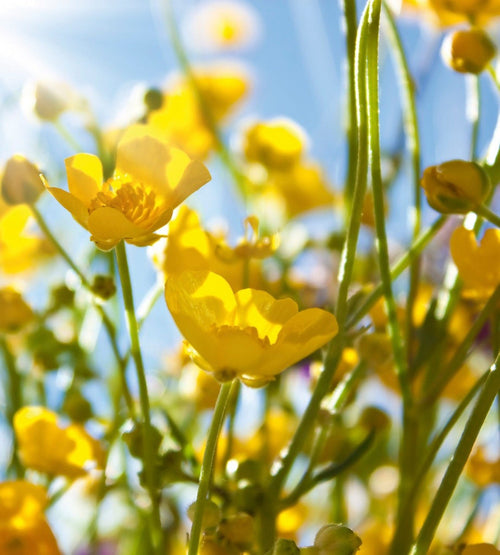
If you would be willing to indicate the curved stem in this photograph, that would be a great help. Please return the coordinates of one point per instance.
(483, 404)
(148, 453)
(208, 464)
(487, 214)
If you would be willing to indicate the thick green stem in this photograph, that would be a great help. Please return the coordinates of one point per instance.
(208, 465)
(445, 491)
(135, 348)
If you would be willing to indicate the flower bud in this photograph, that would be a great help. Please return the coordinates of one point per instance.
(104, 286)
(373, 418)
(47, 100)
(211, 514)
(335, 539)
(14, 312)
(468, 50)
(238, 529)
(21, 182)
(456, 186)
(284, 547)
(77, 407)
(134, 440)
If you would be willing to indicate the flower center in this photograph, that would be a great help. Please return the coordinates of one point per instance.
(136, 202)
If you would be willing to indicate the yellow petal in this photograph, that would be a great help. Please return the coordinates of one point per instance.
(185, 176)
(109, 224)
(262, 311)
(205, 296)
(84, 176)
(75, 206)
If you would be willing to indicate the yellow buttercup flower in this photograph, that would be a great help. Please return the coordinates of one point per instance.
(450, 12)
(221, 25)
(15, 313)
(455, 186)
(180, 119)
(478, 265)
(247, 334)
(190, 247)
(277, 144)
(44, 445)
(20, 249)
(23, 528)
(151, 178)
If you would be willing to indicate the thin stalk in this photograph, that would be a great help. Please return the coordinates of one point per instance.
(398, 268)
(433, 449)
(148, 452)
(487, 214)
(447, 373)
(472, 428)
(205, 108)
(412, 133)
(208, 465)
(493, 75)
(67, 136)
(108, 324)
(348, 8)
(472, 109)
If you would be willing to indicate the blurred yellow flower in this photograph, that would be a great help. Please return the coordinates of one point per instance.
(151, 178)
(47, 447)
(290, 521)
(248, 334)
(23, 528)
(190, 247)
(20, 250)
(451, 12)
(15, 313)
(480, 549)
(303, 187)
(482, 470)
(180, 119)
(21, 181)
(277, 144)
(478, 265)
(221, 25)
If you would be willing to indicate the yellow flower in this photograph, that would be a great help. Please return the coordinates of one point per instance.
(190, 247)
(277, 144)
(180, 119)
(21, 182)
(468, 50)
(478, 265)
(482, 470)
(221, 25)
(23, 528)
(47, 447)
(303, 187)
(151, 178)
(15, 313)
(480, 549)
(450, 12)
(455, 187)
(247, 334)
(20, 250)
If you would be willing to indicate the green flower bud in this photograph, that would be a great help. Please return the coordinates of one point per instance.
(134, 440)
(104, 286)
(284, 547)
(456, 186)
(373, 418)
(335, 539)
(211, 514)
(21, 182)
(238, 529)
(468, 50)
(77, 407)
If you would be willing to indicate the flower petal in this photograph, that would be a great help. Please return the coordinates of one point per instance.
(74, 205)
(84, 176)
(109, 224)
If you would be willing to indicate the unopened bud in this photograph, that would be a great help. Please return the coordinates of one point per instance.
(21, 182)
(284, 547)
(14, 312)
(104, 286)
(468, 50)
(238, 529)
(211, 514)
(335, 539)
(373, 418)
(47, 100)
(456, 186)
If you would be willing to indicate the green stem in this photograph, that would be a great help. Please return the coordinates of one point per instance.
(493, 74)
(208, 465)
(445, 491)
(473, 105)
(412, 133)
(148, 452)
(205, 108)
(67, 136)
(108, 324)
(14, 400)
(348, 8)
(447, 373)
(487, 214)
(416, 248)
(434, 446)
